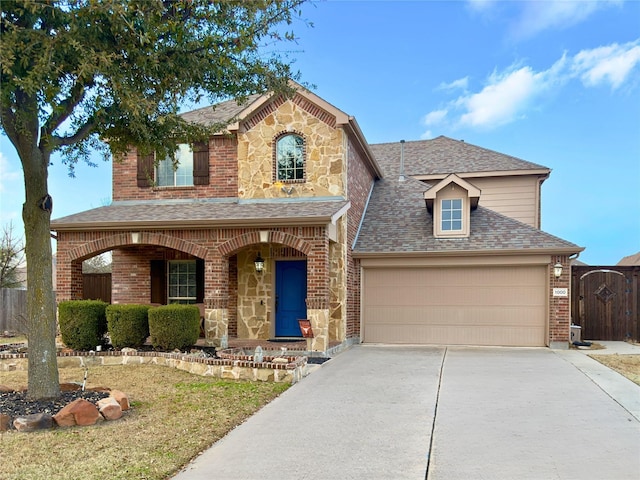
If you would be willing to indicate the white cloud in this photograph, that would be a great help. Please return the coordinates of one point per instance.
(481, 5)
(558, 14)
(501, 101)
(460, 84)
(530, 17)
(611, 64)
(435, 117)
(510, 94)
(428, 135)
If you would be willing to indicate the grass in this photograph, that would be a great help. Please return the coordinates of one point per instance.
(16, 339)
(627, 365)
(174, 417)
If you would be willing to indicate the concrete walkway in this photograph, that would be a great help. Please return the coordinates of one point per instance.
(438, 413)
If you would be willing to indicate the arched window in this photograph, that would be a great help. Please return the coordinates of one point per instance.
(289, 156)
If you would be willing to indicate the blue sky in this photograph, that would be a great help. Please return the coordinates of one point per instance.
(552, 82)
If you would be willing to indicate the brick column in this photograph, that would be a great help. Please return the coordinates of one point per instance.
(559, 305)
(216, 301)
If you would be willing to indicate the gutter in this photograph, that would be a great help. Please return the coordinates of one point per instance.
(456, 253)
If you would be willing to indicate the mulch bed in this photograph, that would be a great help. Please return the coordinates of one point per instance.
(16, 404)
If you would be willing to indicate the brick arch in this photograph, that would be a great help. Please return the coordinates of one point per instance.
(104, 244)
(241, 241)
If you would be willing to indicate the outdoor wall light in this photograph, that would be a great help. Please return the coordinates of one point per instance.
(259, 263)
(557, 270)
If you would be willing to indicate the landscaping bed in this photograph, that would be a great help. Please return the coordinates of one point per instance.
(174, 416)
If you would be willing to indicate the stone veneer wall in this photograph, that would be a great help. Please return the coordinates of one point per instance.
(324, 146)
(255, 290)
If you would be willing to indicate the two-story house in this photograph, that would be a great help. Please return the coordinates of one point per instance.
(290, 214)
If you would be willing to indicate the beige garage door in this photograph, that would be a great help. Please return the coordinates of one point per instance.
(455, 306)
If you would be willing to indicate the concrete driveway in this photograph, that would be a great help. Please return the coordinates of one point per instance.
(435, 413)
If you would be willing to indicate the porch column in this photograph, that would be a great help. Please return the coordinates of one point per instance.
(216, 301)
(318, 315)
(318, 294)
(559, 304)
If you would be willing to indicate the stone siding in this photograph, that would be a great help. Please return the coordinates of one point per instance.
(324, 149)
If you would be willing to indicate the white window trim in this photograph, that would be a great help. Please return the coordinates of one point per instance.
(183, 149)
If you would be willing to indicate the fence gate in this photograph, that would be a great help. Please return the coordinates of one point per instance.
(605, 301)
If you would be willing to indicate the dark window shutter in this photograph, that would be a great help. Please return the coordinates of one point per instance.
(145, 170)
(201, 163)
(199, 280)
(158, 282)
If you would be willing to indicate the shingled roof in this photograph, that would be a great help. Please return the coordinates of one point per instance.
(397, 222)
(220, 113)
(444, 155)
(204, 213)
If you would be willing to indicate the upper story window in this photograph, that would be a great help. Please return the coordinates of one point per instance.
(290, 158)
(451, 211)
(178, 175)
(192, 168)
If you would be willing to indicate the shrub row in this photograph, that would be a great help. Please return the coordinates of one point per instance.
(84, 323)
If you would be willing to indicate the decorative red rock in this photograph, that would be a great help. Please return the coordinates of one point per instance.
(121, 398)
(79, 412)
(5, 422)
(109, 408)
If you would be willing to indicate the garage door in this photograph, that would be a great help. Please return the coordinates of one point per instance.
(455, 306)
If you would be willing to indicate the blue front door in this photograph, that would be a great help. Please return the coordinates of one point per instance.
(291, 293)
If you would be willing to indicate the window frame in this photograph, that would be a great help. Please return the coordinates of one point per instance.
(452, 211)
(180, 299)
(299, 171)
(183, 148)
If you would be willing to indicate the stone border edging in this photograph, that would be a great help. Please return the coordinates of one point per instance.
(238, 367)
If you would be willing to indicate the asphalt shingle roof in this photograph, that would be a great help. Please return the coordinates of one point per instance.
(165, 214)
(219, 113)
(397, 221)
(444, 155)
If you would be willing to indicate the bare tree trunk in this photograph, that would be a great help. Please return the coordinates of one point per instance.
(43, 380)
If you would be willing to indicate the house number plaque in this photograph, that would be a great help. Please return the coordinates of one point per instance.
(560, 292)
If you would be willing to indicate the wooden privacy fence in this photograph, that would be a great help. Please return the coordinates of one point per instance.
(13, 310)
(605, 302)
(96, 286)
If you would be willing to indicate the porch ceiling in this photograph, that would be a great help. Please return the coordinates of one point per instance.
(204, 214)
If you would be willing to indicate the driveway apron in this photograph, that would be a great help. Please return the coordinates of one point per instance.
(365, 414)
(528, 414)
(381, 412)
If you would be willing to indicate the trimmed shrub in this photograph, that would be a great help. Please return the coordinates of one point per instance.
(82, 323)
(128, 325)
(174, 326)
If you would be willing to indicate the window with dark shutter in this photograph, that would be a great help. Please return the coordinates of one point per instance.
(201, 163)
(145, 170)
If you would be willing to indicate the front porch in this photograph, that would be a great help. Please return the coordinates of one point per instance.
(216, 269)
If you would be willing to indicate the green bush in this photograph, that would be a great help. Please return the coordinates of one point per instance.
(82, 323)
(128, 325)
(174, 326)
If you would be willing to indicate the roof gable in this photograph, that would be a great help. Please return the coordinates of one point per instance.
(473, 192)
(397, 223)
